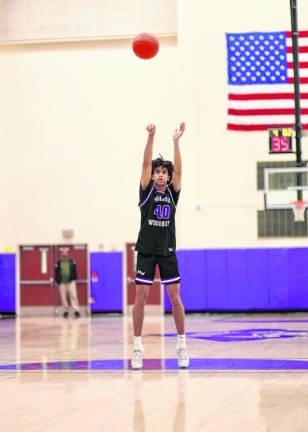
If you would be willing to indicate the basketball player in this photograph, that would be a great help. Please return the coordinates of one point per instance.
(160, 186)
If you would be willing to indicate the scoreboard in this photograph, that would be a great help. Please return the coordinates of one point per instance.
(280, 140)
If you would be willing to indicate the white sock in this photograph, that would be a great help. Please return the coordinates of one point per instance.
(137, 342)
(181, 339)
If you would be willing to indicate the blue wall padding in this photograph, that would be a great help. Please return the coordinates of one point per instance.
(298, 278)
(278, 275)
(193, 278)
(216, 279)
(243, 279)
(106, 291)
(212, 279)
(237, 293)
(7, 283)
(257, 278)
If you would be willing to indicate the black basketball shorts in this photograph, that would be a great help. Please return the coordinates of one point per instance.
(168, 268)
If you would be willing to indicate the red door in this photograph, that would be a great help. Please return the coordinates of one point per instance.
(36, 276)
(37, 285)
(79, 254)
(154, 296)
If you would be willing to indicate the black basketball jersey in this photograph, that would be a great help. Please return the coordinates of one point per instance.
(157, 230)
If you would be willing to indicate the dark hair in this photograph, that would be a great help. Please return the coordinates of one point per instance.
(163, 163)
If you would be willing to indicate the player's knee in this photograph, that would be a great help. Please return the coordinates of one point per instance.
(141, 298)
(175, 300)
(140, 301)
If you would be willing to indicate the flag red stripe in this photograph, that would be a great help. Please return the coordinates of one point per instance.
(264, 112)
(301, 80)
(264, 96)
(301, 50)
(303, 65)
(300, 34)
(259, 127)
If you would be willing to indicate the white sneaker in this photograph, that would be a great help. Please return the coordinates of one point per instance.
(137, 358)
(183, 359)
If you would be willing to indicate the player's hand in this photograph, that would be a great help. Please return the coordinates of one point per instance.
(179, 132)
(151, 128)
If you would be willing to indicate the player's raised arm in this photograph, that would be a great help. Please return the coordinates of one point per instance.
(147, 157)
(177, 173)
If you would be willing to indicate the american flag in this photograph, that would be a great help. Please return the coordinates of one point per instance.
(261, 80)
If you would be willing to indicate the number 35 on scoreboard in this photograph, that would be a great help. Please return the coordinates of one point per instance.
(280, 140)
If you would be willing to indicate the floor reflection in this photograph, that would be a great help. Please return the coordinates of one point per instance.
(141, 415)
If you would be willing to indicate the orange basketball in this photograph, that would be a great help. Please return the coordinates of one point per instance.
(145, 45)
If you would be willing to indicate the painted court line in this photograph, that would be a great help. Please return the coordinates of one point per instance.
(202, 364)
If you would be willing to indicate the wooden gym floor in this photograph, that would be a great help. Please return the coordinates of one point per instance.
(248, 373)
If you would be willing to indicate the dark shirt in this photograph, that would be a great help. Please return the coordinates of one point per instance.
(72, 272)
(157, 228)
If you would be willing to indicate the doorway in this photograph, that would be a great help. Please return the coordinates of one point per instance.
(39, 293)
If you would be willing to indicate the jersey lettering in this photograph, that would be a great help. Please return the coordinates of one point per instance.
(162, 212)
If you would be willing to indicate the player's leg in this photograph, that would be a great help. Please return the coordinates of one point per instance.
(179, 319)
(177, 307)
(142, 292)
(170, 278)
(144, 278)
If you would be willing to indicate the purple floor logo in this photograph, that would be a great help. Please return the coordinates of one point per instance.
(245, 335)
